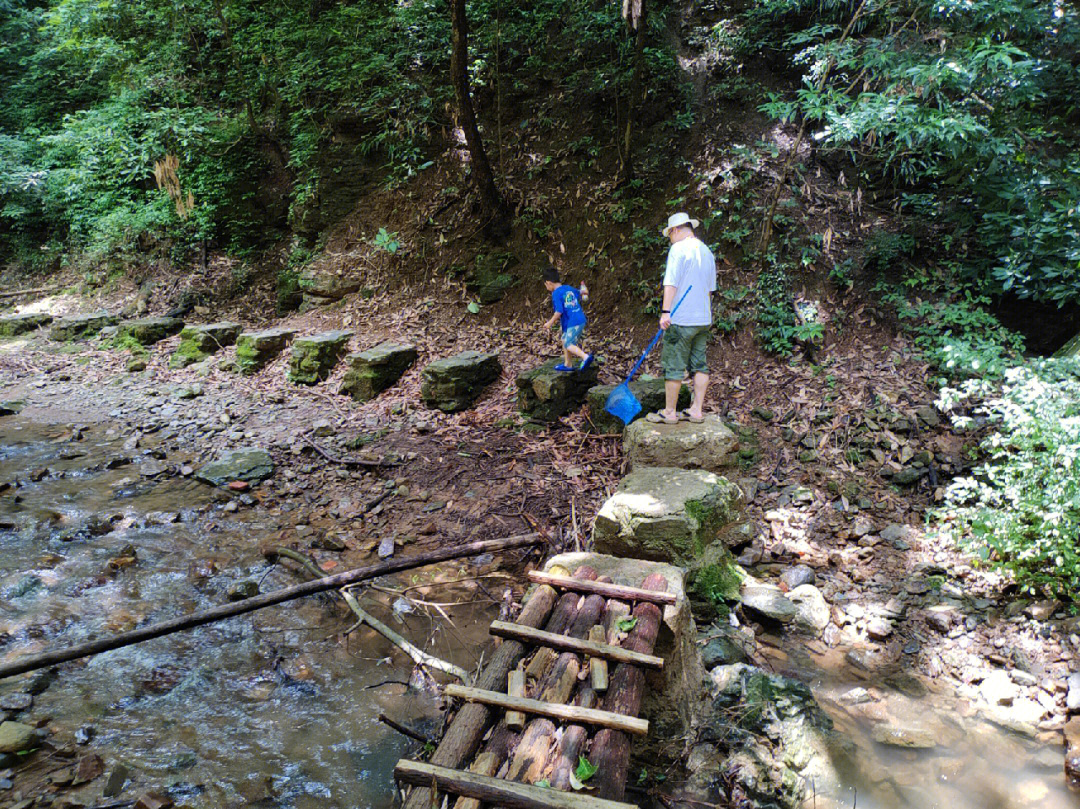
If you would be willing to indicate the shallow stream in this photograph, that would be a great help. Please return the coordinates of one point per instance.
(275, 708)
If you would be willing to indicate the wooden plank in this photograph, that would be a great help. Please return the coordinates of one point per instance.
(515, 720)
(496, 791)
(566, 713)
(565, 643)
(598, 665)
(619, 591)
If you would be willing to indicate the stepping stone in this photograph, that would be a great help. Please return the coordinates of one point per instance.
(247, 463)
(323, 288)
(373, 371)
(546, 394)
(314, 357)
(454, 383)
(149, 330)
(14, 325)
(710, 445)
(257, 349)
(199, 342)
(666, 514)
(650, 392)
(79, 327)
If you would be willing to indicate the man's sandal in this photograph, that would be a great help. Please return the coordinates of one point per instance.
(659, 418)
(692, 419)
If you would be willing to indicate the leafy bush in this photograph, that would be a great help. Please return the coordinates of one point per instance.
(777, 324)
(1020, 509)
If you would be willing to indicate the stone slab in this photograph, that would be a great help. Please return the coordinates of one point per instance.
(246, 463)
(376, 369)
(454, 383)
(547, 395)
(149, 330)
(650, 392)
(256, 349)
(14, 325)
(78, 327)
(666, 514)
(710, 445)
(197, 342)
(313, 358)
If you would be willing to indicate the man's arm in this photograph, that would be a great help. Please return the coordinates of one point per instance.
(669, 300)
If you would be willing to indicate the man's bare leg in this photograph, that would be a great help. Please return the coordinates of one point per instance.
(701, 385)
(671, 398)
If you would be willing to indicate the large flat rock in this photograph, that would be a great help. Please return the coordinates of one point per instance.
(256, 349)
(197, 342)
(666, 514)
(78, 327)
(650, 392)
(546, 394)
(710, 445)
(149, 330)
(314, 357)
(14, 325)
(376, 369)
(454, 383)
(246, 463)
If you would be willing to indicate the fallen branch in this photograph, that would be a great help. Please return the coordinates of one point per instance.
(334, 582)
(404, 730)
(350, 461)
(27, 292)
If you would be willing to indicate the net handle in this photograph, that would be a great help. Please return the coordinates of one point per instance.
(656, 337)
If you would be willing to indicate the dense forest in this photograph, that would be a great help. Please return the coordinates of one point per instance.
(891, 189)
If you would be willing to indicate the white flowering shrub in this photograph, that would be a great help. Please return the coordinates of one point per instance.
(1020, 509)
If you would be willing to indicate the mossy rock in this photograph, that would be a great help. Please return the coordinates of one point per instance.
(376, 369)
(546, 394)
(14, 325)
(327, 287)
(199, 342)
(454, 383)
(709, 445)
(79, 327)
(149, 330)
(313, 358)
(256, 349)
(648, 391)
(666, 514)
(246, 463)
(490, 280)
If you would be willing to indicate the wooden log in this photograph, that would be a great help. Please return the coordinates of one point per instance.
(596, 649)
(551, 710)
(610, 749)
(467, 729)
(605, 589)
(334, 582)
(515, 720)
(572, 743)
(483, 764)
(531, 754)
(598, 669)
(496, 790)
(540, 663)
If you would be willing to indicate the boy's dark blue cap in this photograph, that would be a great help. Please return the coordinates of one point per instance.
(551, 274)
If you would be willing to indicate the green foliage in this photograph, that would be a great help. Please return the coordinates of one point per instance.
(386, 241)
(729, 309)
(972, 126)
(777, 325)
(1018, 510)
(626, 623)
(585, 769)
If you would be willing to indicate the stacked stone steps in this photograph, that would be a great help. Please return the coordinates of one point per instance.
(15, 325)
(149, 330)
(198, 342)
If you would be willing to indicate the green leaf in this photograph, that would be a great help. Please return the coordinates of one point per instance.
(473, 307)
(585, 770)
(543, 783)
(626, 623)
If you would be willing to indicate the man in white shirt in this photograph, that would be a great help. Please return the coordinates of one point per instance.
(690, 266)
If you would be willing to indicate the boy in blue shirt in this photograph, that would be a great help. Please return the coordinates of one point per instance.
(567, 304)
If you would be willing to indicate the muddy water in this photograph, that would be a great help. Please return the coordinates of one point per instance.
(975, 765)
(272, 709)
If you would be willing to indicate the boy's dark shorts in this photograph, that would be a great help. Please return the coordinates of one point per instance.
(684, 350)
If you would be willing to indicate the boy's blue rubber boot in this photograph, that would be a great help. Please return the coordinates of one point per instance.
(585, 363)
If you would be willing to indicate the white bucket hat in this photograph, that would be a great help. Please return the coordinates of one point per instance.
(677, 220)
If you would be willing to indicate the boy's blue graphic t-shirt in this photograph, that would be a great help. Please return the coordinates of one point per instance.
(567, 302)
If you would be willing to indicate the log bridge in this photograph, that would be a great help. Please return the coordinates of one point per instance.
(546, 698)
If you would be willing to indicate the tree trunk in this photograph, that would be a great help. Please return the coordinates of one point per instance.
(493, 208)
(636, 95)
(610, 749)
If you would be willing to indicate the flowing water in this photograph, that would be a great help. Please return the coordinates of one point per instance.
(274, 708)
